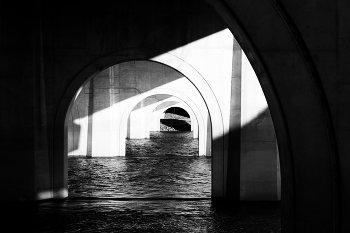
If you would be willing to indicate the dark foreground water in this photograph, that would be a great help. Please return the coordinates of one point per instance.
(140, 216)
(160, 186)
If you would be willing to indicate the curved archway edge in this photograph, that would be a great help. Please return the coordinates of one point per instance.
(305, 205)
(180, 96)
(219, 155)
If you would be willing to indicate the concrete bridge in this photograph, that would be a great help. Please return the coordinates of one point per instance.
(119, 102)
(57, 57)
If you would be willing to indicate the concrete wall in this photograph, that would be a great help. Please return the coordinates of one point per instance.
(299, 50)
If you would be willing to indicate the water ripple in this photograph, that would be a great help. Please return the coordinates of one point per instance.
(166, 165)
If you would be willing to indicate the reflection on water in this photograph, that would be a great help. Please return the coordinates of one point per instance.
(140, 177)
(165, 165)
(167, 143)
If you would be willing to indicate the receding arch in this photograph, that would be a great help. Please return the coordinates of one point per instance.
(301, 209)
(251, 25)
(298, 206)
(190, 114)
(176, 102)
(181, 96)
(218, 152)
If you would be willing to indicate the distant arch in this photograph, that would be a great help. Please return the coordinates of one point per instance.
(180, 96)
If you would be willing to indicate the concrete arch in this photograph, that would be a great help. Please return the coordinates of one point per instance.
(159, 111)
(270, 39)
(302, 211)
(76, 82)
(145, 128)
(288, 109)
(135, 101)
(169, 103)
(193, 118)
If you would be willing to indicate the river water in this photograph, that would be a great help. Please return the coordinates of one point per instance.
(160, 186)
(166, 165)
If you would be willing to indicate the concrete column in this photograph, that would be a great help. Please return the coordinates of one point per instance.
(194, 126)
(259, 156)
(234, 147)
(78, 123)
(139, 119)
(74, 131)
(208, 137)
(102, 114)
(138, 122)
(105, 125)
(114, 115)
(278, 174)
(90, 117)
(42, 175)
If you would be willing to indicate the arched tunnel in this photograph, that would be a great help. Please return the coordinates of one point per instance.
(265, 87)
(122, 102)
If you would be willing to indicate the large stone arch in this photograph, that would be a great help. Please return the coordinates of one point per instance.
(60, 127)
(294, 92)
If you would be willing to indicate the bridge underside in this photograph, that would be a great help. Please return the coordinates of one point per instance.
(296, 50)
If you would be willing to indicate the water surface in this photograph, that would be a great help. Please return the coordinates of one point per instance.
(160, 186)
(166, 165)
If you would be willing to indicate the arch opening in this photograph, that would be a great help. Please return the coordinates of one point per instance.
(143, 100)
(216, 120)
(175, 119)
(115, 107)
(214, 101)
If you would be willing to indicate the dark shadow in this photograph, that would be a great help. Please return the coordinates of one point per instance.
(178, 111)
(175, 119)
